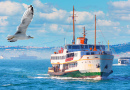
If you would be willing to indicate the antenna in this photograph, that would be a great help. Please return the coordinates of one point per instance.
(84, 34)
(95, 36)
(64, 41)
(108, 45)
(99, 43)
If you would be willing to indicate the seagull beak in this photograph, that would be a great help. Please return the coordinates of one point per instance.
(10, 38)
(32, 37)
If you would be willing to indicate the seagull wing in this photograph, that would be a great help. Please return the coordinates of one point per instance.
(25, 21)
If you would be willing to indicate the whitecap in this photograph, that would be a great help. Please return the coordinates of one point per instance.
(43, 74)
(6, 85)
(38, 77)
(119, 65)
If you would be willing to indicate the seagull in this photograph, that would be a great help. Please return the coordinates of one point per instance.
(22, 28)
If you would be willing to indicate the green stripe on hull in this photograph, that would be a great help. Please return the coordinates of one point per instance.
(78, 74)
(88, 74)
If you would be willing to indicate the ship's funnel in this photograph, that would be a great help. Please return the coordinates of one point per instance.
(81, 40)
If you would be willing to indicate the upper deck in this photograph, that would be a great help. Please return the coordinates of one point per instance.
(71, 48)
(83, 47)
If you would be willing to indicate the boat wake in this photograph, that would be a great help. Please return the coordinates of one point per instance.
(40, 76)
(46, 76)
(71, 78)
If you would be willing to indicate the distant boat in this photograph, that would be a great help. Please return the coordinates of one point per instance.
(124, 60)
(24, 57)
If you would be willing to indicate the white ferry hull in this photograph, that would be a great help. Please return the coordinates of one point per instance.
(89, 66)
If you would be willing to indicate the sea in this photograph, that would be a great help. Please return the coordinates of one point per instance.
(32, 75)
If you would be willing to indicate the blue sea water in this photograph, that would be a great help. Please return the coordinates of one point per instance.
(32, 75)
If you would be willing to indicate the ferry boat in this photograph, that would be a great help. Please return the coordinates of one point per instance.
(24, 57)
(124, 60)
(81, 60)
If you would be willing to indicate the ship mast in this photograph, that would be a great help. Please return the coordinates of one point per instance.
(95, 36)
(84, 34)
(73, 28)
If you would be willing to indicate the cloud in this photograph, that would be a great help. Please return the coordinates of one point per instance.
(48, 13)
(57, 16)
(128, 26)
(120, 10)
(128, 32)
(43, 7)
(117, 29)
(107, 23)
(42, 28)
(54, 27)
(62, 16)
(3, 21)
(121, 4)
(57, 28)
(11, 8)
(42, 31)
(48, 29)
(125, 17)
(99, 14)
(83, 17)
(25, 5)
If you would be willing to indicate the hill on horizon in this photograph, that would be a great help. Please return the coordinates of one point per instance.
(125, 47)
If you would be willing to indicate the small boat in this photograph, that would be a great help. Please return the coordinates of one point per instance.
(124, 60)
(81, 60)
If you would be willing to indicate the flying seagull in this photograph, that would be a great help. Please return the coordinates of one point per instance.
(22, 28)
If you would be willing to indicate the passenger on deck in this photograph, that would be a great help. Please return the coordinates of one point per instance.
(57, 68)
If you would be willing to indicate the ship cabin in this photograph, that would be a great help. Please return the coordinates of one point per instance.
(67, 58)
(83, 47)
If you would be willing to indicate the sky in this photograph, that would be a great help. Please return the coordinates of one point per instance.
(52, 24)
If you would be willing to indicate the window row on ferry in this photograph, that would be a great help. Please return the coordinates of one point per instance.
(64, 57)
(84, 47)
(71, 65)
(73, 55)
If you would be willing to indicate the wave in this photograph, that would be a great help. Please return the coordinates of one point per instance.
(6, 85)
(119, 77)
(119, 64)
(41, 77)
(44, 74)
(16, 69)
